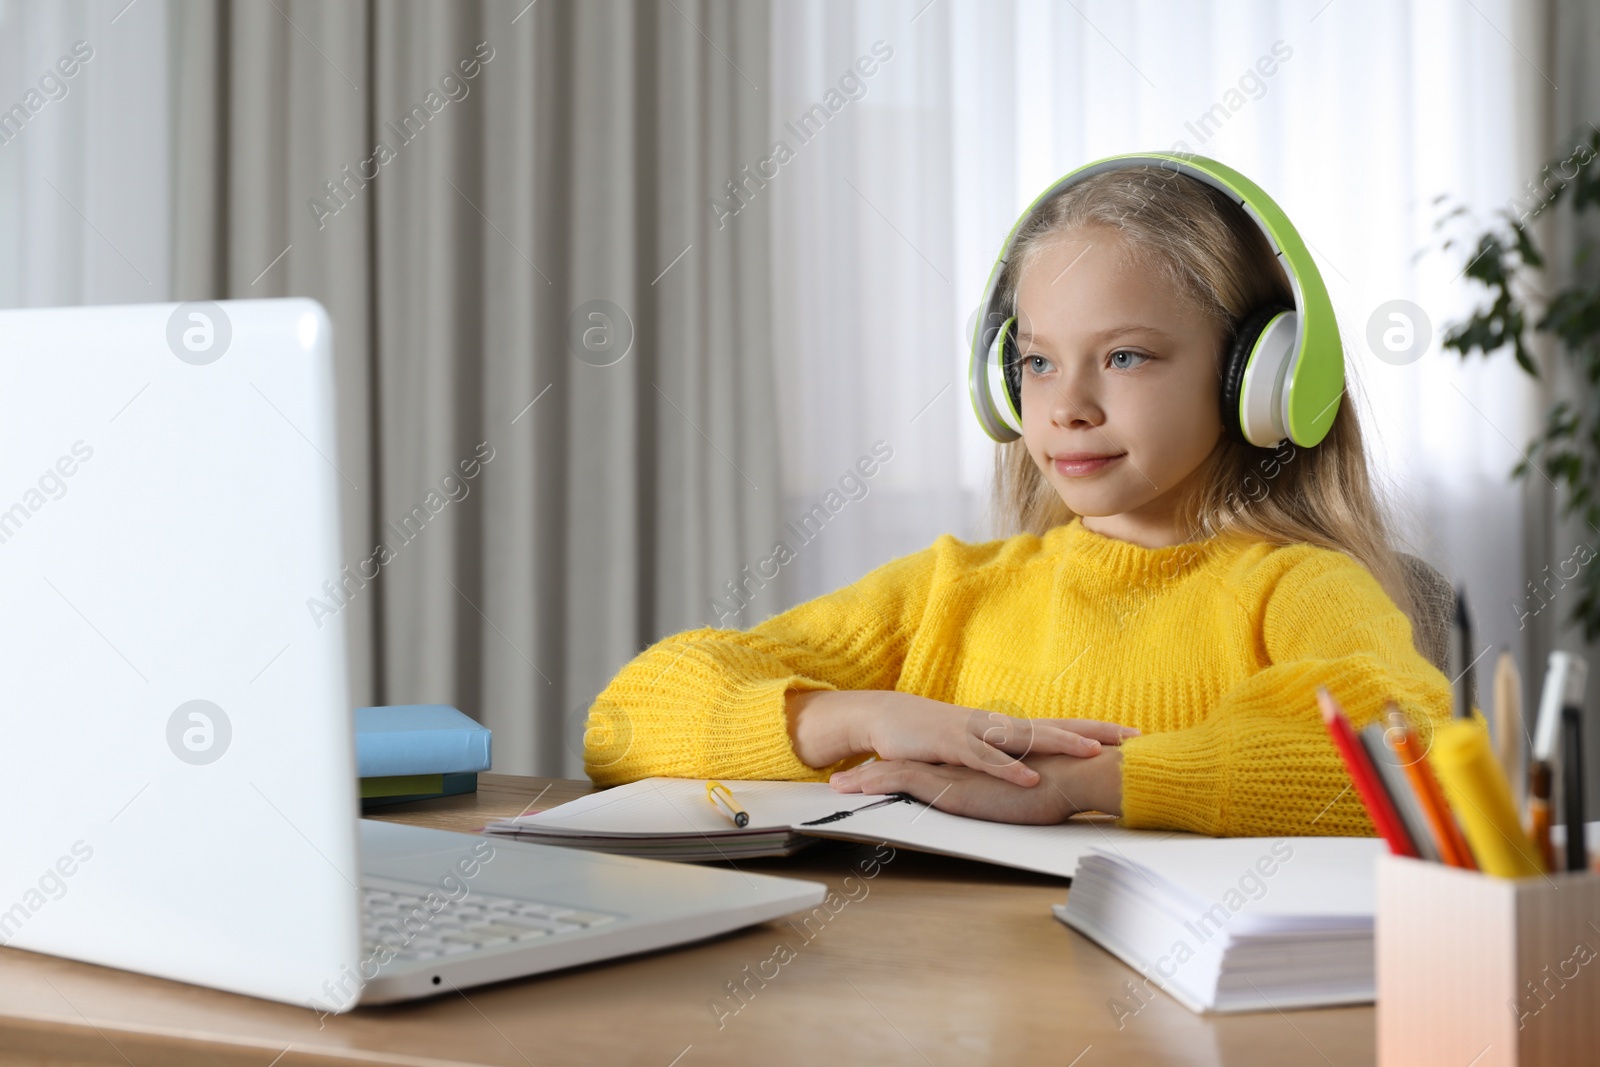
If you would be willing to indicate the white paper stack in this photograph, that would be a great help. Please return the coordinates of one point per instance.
(1235, 924)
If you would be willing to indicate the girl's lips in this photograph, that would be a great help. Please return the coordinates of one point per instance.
(1077, 468)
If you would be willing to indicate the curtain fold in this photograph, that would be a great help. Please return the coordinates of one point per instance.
(1570, 35)
(83, 162)
(553, 391)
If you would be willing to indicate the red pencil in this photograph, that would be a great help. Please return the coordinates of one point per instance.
(1365, 777)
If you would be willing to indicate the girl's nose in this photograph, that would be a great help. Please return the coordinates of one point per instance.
(1074, 402)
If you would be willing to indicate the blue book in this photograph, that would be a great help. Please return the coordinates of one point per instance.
(418, 739)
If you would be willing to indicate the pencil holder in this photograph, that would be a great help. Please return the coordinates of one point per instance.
(1495, 972)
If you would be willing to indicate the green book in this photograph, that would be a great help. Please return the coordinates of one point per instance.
(401, 785)
(404, 788)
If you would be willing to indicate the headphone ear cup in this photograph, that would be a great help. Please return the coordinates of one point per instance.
(1013, 368)
(1236, 361)
(991, 383)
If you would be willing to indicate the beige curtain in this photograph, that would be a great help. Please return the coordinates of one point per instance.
(466, 187)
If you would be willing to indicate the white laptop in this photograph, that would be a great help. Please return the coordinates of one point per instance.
(179, 774)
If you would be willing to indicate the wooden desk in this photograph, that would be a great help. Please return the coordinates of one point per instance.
(943, 961)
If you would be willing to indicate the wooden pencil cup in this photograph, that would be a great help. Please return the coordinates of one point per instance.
(1495, 972)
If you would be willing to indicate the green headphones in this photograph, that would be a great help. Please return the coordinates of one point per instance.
(1283, 375)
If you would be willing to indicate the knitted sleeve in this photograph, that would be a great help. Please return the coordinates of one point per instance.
(1261, 761)
(710, 703)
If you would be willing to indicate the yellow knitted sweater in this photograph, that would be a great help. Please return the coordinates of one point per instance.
(1213, 649)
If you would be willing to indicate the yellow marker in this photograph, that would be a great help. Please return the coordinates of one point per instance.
(1477, 789)
(722, 797)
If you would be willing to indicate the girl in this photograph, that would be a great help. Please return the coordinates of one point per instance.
(1148, 643)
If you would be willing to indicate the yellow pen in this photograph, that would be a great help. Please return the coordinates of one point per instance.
(722, 797)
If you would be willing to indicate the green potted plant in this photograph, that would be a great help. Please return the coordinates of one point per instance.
(1506, 261)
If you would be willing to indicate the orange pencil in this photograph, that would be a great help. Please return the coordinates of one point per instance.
(1452, 845)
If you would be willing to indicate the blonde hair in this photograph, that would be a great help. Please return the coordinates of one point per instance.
(1207, 249)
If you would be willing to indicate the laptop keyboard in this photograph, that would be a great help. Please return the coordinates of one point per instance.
(474, 922)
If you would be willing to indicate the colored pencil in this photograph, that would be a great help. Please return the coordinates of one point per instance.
(1508, 723)
(1539, 781)
(1452, 845)
(1364, 777)
(1572, 787)
(1397, 787)
(1461, 657)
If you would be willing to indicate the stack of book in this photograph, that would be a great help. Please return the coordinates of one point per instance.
(409, 752)
(1233, 924)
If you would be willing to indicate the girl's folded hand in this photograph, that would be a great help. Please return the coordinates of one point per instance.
(988, 741)
(1070, 785)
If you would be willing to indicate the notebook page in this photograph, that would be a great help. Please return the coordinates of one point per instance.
(679, 805)
(1046, 849)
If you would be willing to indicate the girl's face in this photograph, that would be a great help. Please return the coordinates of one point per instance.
(1114, 363)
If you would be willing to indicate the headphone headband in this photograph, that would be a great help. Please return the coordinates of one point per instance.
(1286, 375)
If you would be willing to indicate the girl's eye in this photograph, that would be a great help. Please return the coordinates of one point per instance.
(1125, 352)
(1035, 368)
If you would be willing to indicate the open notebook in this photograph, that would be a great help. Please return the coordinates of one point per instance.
(1234, 924)
(671, 818)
